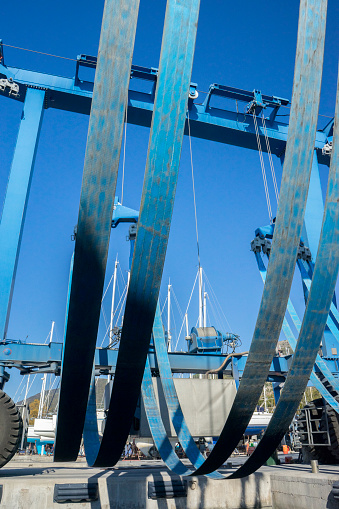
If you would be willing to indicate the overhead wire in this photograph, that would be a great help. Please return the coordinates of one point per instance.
(193, 184)
(195, 204)
(39, 52)
(276, 190)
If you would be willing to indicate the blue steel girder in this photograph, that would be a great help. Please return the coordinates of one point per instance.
(30, 356)
(206, 121)
(17, 193)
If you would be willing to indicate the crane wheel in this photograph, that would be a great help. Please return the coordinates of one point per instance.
(317, 452)
(10, 428)
(333, 428)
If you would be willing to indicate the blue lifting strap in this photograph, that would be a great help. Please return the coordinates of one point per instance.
(94, 221)
(158, 431)
(157, 427)
(309, 267)
(175, 412)
(330, 323)
(162, 443)
(293, 195)
(322, 366)
(91, 433)
(162, 166)
(314, 322)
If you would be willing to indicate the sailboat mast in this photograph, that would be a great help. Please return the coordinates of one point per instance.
(44, 380)
(186, 320)
(201, 304)
(24, 415)
(42, 396)
(205, 309)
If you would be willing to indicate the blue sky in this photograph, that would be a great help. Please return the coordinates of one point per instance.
(242, 44)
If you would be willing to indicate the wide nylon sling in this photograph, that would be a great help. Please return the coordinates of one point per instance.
(293, 196)
(314, 322)
(162, 443)
(94, 222)
(173, 405)
(162, 166)
(330, 323)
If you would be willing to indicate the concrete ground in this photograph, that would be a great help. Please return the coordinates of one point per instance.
(29, 482)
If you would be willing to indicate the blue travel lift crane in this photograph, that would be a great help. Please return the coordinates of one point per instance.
(318, 421)
(171, 89)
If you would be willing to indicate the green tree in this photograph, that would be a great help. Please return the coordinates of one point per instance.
(33, 410)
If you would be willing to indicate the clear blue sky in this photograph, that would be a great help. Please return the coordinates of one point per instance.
(244, 44)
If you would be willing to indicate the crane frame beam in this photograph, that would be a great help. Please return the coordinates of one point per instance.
(206, 121)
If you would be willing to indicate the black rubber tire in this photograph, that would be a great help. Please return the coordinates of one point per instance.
(333, 428)
(10, 428)
(320, 453)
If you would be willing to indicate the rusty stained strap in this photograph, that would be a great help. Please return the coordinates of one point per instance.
(162, 166)
(293, 195)
(314, 322)
(94, 221)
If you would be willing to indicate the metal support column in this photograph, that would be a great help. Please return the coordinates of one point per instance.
(14, 211)
(276, 386)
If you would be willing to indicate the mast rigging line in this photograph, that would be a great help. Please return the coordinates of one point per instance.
(188, 305)
(163, 307)
(177, 303)
(116, 309)
(217, 303)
